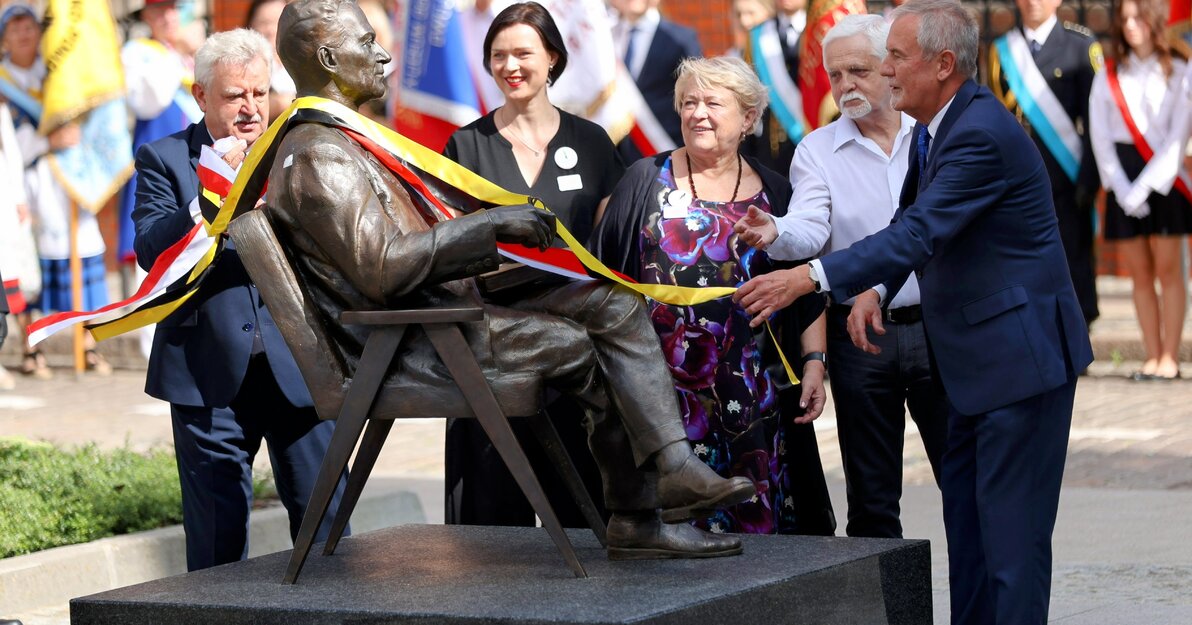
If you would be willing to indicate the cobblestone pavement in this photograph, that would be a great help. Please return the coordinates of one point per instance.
(1125, 434)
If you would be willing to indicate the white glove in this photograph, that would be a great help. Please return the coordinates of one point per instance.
(1138, 212)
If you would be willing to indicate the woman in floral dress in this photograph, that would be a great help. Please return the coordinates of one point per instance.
(670, 221)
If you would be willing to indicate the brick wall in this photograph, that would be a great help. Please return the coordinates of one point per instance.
(711, 19)
(228, 14)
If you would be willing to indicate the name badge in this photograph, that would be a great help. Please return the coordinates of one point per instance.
(570, 182)
(675, 204)
(566, 158)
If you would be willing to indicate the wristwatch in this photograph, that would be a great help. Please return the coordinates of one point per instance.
(814, 276)
(820, 356)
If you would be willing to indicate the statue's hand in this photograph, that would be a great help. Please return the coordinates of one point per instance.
(524, 224)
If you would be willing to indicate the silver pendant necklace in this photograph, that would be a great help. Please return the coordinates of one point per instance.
(516, 135)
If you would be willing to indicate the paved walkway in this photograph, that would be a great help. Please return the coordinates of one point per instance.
(1123, 542)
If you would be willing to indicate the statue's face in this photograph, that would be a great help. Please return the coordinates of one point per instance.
(359, 62)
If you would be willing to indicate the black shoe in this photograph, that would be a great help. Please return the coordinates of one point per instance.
(631, 537)
(9, 621)
(694, 491)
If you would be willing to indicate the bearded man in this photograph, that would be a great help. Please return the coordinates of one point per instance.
(847, 177)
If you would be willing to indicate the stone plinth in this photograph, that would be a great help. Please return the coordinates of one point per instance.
(450, 575)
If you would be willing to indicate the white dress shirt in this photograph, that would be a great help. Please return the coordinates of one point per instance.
(1041, 33)
(911, 282)
(845, 189)
(643, 35)
(791, 26)
(1153, 100)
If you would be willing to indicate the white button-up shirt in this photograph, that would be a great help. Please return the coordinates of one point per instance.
(643, 35)
(1153, 100)
(845, 189)
(1041, 33)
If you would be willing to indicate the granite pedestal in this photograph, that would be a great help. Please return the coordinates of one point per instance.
(448, 575)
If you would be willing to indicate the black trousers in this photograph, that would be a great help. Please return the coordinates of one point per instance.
(215, 448)
(872, 394)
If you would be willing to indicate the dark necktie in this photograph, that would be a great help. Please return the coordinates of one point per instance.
(1035, 48)
(629, 51)
(922, 143)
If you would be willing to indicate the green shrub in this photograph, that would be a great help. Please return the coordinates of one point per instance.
(51, 497)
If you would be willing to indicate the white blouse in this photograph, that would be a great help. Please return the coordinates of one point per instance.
(1153, 101)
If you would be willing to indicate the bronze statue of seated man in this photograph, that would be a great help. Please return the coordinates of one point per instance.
(360, 243)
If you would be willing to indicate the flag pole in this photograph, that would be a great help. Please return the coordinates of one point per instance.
(76, 287)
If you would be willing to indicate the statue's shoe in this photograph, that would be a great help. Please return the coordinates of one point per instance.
(650, 539)
(695, 491)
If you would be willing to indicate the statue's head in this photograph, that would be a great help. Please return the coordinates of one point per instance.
(330, 50)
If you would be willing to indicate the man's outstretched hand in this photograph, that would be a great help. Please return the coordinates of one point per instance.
(866, 312)
(523, 224)
(756, 228)
(768, 293)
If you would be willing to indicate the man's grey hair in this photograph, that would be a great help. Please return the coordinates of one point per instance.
(232, 48)
(875, 27)
(944, 25)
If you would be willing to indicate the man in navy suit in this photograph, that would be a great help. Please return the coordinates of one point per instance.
(652, 49)
(219, 360)
(977, 225)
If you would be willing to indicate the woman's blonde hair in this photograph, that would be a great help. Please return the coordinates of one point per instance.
(724, 72)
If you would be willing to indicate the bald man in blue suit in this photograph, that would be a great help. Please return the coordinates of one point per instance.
(976, 223)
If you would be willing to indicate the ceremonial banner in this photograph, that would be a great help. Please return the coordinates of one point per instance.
(85, 84)
(435, 93)
(786, 103)
(1180, 25)
(819, 108)
(591, 87)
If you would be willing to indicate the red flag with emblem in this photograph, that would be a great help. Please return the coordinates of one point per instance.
(818, 106)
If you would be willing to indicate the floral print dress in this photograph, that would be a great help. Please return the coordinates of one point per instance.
(728, 402)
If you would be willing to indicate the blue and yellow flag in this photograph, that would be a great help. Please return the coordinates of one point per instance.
(85, 84)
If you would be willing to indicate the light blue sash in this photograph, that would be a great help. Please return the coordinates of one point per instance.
(1039, 105)
(785, 100)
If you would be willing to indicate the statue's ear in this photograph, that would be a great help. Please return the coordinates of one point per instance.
(326, 58)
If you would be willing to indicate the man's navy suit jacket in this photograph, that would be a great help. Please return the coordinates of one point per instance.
(671, 44)
(999, 311)
(201, 351)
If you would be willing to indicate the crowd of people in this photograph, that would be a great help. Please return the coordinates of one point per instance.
(930, 251)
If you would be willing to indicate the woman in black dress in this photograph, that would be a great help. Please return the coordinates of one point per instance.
(529, 146)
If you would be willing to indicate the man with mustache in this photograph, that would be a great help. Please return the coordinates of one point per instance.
(847, 176)
(219, 359)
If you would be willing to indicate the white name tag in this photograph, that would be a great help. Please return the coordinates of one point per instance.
(570, 182)
(674, 212)
(675, 204)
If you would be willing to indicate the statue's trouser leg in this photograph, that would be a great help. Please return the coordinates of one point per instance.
(586, 338)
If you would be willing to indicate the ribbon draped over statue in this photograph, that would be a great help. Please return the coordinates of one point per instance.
(441, 183)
